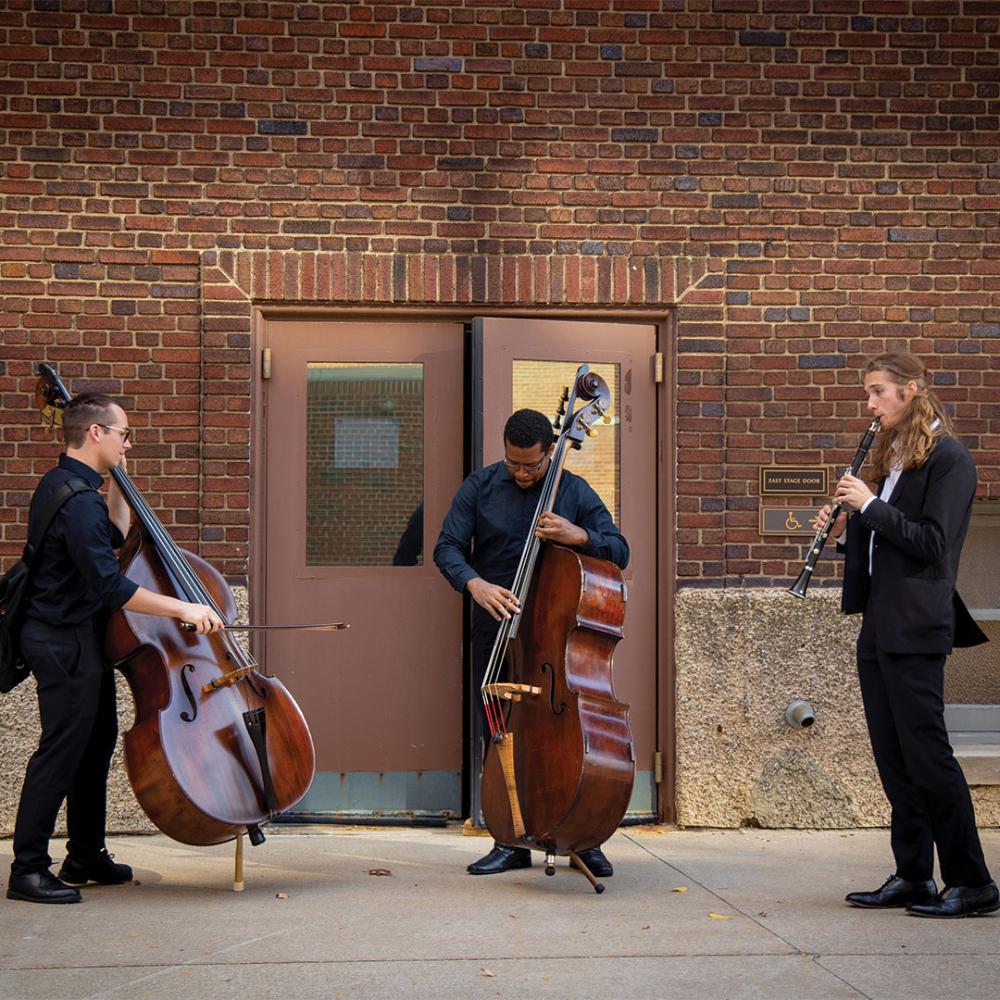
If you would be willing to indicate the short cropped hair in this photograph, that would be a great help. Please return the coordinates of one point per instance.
(83, 411)
(528, 427)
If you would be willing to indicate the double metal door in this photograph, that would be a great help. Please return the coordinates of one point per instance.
(367, 431)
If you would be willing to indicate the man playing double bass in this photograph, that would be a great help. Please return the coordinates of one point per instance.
(480, 545)
(75, 582)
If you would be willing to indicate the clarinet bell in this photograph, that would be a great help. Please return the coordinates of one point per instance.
(802, 583)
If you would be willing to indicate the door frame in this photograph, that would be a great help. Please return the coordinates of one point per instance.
(664, 319)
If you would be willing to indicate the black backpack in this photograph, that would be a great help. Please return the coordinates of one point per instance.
(14, 589)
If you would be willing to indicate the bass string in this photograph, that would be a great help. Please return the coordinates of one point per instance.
(522, 579)
(493, 703)
(183, 577)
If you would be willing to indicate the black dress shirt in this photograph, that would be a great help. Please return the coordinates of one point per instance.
(493, 512)
(75, 573)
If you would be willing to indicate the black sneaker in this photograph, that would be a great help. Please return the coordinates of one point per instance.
(102, 869)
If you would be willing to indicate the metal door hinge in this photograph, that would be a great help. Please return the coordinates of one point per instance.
(658, 767)
(658, 367)
(265, 363)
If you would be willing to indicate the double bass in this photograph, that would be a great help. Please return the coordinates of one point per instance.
(560, 763)
(217, 746)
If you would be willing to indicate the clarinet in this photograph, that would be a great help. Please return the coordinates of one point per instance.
(822, 534)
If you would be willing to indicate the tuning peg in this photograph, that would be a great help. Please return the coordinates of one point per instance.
(591, 433)
(561, 409)
(607, 418)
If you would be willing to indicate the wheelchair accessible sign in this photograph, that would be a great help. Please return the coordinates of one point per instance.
(790, 481)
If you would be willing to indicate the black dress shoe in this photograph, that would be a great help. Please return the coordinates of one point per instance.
(501, 859)
(895, 891)
(100, 868)
(959, 901)
(41, 887)
(595, 860)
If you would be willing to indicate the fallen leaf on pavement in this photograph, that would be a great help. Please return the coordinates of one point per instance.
(679, 888)
(720, 916)
(486, 972)
(281, 895)
(379, 871)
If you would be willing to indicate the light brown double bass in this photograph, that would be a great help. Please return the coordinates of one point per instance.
(560, 765)
(217, 746)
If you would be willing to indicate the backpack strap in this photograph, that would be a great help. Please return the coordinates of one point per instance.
(68, 489)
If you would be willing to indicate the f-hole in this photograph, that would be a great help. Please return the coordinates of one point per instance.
(186, 716)
(548, 668)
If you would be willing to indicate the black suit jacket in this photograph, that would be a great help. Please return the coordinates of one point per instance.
(918, 541)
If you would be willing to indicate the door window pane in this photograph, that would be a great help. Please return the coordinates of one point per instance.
(538, 385)
(365, 464)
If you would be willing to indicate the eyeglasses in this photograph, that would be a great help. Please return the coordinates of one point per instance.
(529, 467)
(126, 432)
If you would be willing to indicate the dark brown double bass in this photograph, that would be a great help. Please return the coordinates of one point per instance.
(560, 766)
(217, 746)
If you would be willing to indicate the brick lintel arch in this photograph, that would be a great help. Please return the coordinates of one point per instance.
(235, 281)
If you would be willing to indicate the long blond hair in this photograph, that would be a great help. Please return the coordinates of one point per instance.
(910, 442)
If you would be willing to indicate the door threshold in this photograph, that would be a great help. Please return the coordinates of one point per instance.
(360, 819)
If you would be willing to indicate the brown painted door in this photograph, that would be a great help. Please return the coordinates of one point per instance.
(362, 445)
(526, 363)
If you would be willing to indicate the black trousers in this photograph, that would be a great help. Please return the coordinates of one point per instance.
(903, 697)
(77, 707)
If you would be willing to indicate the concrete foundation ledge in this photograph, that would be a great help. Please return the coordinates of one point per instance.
(742, 656)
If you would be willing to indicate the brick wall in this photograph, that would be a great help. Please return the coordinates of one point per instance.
(808, 182)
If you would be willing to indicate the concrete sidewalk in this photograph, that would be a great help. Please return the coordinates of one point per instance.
(761, 915)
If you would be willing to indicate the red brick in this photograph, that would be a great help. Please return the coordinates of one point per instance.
(865, 215)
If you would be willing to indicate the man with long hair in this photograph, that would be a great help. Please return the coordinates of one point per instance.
(903, 546)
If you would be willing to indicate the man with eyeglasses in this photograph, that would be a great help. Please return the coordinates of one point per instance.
(75, 583)
(480, 546)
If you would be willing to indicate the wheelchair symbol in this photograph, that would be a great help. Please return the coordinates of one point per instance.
(792, 522)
